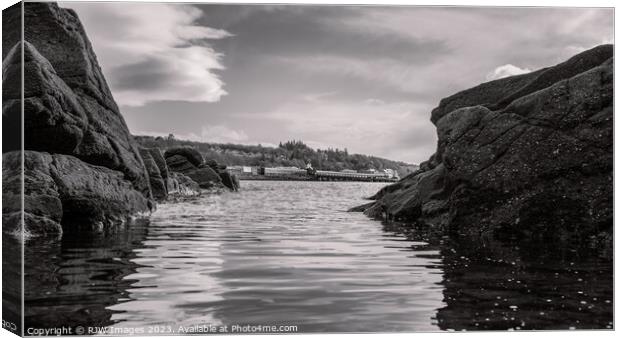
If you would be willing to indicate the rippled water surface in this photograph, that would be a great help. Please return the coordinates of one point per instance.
(281, 253)
(288, 253)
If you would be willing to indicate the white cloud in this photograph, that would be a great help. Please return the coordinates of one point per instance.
(505, 71)
(396, 74)
(154, 51)
(222, 134)
(371, 126)
(475, 40)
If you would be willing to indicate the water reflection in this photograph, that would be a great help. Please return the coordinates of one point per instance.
(269, 256)
(11, 283)
(494, 285)
(72, 281)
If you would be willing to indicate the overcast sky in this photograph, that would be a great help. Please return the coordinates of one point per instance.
(364, 78)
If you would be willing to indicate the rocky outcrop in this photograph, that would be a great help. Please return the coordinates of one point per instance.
(179, 163)
(61, 189)
(186, 154)
(82, 168)
(163, 182)
(522, 157)
(229, 180)
(189, 162)
(157, 182)
(180, 185)
(160, 161)
(68, 107)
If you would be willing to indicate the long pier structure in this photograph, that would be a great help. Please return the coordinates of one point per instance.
(323, 175)
(311, 174)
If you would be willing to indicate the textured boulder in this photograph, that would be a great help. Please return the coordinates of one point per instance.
(160, 161)
(53, 118)
(157, 182)
(191, 155)
(523, 157)
(179, 163)
(68, 107)
(499, 93)
(165, 183)
(42, 205)
(211, 163)
(205, 177)
(96, 177)
(208, 174)
(229, 180)
(61, 189)
(181, 185)
(189, 162)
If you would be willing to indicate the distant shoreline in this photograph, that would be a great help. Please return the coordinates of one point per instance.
(302, 180)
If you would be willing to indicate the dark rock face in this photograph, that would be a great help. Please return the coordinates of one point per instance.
(51, 108)
(526, 157)
(82, 167)
(500, 93)
(68, 107)
(158, 185)
(191, 155)
(205, 177)
(61, 189)
(230, 181)
(160, 161)
(181, 185)
(189, 162)
(179, 163)
(214, 165)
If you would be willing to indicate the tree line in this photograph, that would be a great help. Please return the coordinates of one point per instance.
(293, 153)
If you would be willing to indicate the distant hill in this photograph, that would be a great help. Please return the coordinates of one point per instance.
(288, 154)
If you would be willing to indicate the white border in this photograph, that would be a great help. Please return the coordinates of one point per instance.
(485, 3)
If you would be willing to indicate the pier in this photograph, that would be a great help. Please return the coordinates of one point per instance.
(323, 175)
(310, 174)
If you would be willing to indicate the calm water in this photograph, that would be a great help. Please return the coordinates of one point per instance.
(288, 253)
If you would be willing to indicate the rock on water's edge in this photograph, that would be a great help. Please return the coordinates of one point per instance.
(62, 193)
(524, 157)
(69, 108)
(82, 168)
(208, 174)
(156, 181)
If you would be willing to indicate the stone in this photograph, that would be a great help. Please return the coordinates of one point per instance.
(206, 177)
(62, 193)
(190, 154)
(181, 185)
(82, 168)
(188, 162)
(157, 183)
(526, 157)
(160, 161)
(69, 108)
(229, 180)
(179, 163)
(211, 163)
(499, 93)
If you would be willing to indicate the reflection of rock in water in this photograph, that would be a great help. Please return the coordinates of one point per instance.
(71, 281)
(498, 286)
(11, 283)
(502, 287)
